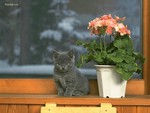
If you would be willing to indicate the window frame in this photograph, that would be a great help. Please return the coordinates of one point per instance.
(146, 45)
(145, 82)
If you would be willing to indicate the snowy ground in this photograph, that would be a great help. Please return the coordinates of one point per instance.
(38, 70)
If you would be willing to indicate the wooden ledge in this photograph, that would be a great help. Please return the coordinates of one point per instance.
(47, 86)
(85, 100)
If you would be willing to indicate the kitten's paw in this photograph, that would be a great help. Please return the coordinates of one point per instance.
(60, 93)
(67, 95)
(78, 93)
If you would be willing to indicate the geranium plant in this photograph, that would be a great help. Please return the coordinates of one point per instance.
(113, 46)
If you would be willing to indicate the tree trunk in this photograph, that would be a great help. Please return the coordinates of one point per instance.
(25, 33)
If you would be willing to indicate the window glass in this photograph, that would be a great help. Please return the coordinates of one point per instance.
(31, 29)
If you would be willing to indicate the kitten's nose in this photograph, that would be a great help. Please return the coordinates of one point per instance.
(63, 68)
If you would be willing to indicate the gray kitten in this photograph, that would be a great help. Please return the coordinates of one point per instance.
(68, 79)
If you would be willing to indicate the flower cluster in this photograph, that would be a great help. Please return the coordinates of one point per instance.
(108, 25)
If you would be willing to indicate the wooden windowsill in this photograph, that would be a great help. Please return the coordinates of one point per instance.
(85, 100)
(47, 86)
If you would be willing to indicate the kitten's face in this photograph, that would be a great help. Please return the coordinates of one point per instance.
(63, 61)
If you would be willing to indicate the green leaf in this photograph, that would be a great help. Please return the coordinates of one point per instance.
(79, 42)
(139, 57)
(83, 59)
(84, 44)
(127, 76)
(124, 43)
(129, 59)
(114, 58)
(124, 75)
(117, 56)
(98, 59)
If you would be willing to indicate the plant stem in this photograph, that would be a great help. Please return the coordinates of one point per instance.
(110, 39)
(101, 46)
(104, 38)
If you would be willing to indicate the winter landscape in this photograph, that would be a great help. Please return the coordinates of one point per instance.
(30, 31)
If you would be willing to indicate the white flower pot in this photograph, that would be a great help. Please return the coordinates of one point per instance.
(110, 83)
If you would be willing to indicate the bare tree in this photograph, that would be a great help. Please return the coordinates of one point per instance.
(25, 33)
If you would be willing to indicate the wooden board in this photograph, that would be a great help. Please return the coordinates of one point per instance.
(52, 108)
(47, 86)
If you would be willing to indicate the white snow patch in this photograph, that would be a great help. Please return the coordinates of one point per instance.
(40, 69)
(67, 24)
(55, 2)
(51, 34)
(16, 11)
(4, 64)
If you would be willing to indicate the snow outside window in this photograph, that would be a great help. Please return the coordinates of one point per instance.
(31, 29)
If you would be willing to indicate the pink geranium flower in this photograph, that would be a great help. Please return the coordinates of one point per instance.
(109, 30)
(111, 25)
(93, 22)
(122, 29)
(106, 17)
(119, 19)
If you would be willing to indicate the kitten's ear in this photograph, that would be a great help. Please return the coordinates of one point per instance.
(71, 53)
(55, 53)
